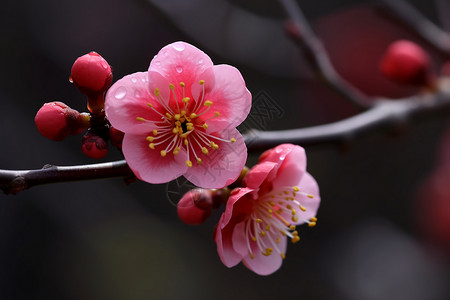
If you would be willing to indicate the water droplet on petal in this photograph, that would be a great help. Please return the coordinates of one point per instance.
(178, 46)
(137, 94)
(134, 80)
(179, 69)
(120, 93)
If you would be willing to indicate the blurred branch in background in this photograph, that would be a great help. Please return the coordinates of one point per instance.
(379, 115)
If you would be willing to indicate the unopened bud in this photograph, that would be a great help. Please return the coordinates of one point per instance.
(56, 120)
(406, 62)
(195, 206)
(91, 73)
(93, 145)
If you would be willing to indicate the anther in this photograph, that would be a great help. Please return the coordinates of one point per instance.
(149, 138)
(199, 161)
(302, 207)
(193, 115)
(182, 84)
(163, 153)
(152, 146)
(296, 189)
(176, 151)
(201, 82)
(155, 132)
(171, 86)
(217, 113)
(189, 163)
(294, 219)
(208, 103)
(168, 115)
(205, 151)
(175, 130)
(258, 221)
(313, 219)
(310, 196)
(140, 119)
(177, 117)
(185, 99)
(157, 92)
(233, 140)
(282, 255)
(312, 224)
(186, 142)
(205, 126)
(150, 105)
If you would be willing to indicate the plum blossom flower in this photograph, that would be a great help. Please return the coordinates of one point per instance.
(260, 217)
(180, 118)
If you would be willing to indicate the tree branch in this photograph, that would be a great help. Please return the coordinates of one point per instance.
(302, 34)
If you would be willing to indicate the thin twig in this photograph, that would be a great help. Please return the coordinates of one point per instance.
(302, 34)
(402, 12)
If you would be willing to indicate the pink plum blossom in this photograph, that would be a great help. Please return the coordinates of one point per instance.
(180, 118)
(278, 194)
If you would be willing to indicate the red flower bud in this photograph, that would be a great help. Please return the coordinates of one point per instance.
(56, 120)
(91, 74)
(406, 62)
(195, 206)
(93, 145)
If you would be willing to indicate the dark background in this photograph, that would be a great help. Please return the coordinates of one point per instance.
(102, 239)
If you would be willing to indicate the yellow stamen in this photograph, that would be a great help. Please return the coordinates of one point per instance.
(176, 150)
(217, 113)
(201, 82)
(185, 99)
(155, 132)
(175, 130)
(282, 255)
(313, 219)
(157, 92)
(310, 196)
(149, 138)
(262, 233)
(163, 153)
(186, 142)
(302, 207)
(205, 151)
(208, 103)
(296, 189)
(258, 221)
(294, 219)
(182, 84)
(312, 224)
(150, 105)
(171, 86)
(199, 161)
(193, 115)
(152, 146)
(169, 115)
(189, 163)
(254, 238)
(252, 256)
(177, 117)
(205, 126)
(233, 140)
(140, 119)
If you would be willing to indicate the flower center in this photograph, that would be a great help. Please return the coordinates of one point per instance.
(275, 216)
(183, 125)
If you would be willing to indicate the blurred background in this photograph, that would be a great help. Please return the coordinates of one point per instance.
(384, 221)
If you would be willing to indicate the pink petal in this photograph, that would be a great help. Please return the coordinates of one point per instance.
(223, 239)
(180, 62)
(265, 265)
(237, 205)
(292, 165)
(147, 164)
(308, 185)
(127, 99)
(239, 239)
(258, 174)
(230, 98)
(220, 167)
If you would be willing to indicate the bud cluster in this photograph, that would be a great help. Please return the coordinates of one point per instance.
(92, 75)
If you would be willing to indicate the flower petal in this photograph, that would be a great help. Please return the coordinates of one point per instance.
(239, 239)
(223, 239)
(220, 167)
(266, 265)
(292, 166)
(236, 207)
(308, 185)
(180, 62)
(147, 164)
(256, 176)
(230, 98)
(127, 100)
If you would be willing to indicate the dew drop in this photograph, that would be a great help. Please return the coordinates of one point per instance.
(120, 93)
(179, 69)
(178, 46)
(134, 80)
(137, 94)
